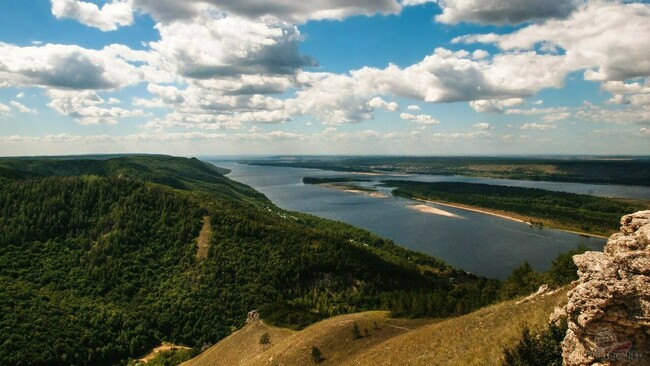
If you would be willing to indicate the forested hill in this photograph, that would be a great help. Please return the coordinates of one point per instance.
(186, 174)
(99, 263)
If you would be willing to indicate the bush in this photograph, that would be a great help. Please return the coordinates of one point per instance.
(265, 339)
(543, 348)
(282, 314)
(356, 334)
(317, 355)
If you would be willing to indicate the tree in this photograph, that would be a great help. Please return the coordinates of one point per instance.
(563, 270)
(317, 355)
(265, 339)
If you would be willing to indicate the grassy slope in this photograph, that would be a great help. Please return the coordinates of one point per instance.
(241, 346)
(473, 339)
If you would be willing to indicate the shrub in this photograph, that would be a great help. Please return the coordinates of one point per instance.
(543, 348)
(265, 339)
(317, 355)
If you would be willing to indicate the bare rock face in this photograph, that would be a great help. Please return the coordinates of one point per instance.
(609, 308)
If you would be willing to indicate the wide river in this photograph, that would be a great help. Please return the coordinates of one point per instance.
(482, 244)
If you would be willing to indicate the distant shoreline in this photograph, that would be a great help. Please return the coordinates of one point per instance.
(503, 216)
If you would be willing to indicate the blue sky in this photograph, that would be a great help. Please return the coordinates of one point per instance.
(413, 77)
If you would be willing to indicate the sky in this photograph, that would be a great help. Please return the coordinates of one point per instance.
(370, 77)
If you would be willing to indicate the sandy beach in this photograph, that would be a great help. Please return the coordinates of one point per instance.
(434, 211)
(491, 213)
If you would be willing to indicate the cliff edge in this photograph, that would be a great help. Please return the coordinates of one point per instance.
(609, 308)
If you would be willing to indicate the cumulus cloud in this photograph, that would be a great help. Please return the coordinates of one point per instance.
(107, 18)
(444, 76)
(495, 106)
(379, 103)
(21, 107)
(483, 126)
(422, 119)
(503, 11)
(639, 114)
(413, 107)
(538, 127)
(217, 46)
(461, 135)
(66, 67)
(86, 107)
(286, 10)
(4, 109)
(601, 37)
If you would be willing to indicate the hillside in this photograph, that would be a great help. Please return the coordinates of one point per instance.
(99, 261)
(474, 339)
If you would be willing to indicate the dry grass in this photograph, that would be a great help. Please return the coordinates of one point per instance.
(334, 338)
(473, 339)
(203, 241)
(240, 347)
(164, 347)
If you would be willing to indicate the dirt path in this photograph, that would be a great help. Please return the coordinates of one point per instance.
(162, 348)
(203, 241)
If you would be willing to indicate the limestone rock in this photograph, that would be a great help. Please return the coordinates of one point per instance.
(608, 310)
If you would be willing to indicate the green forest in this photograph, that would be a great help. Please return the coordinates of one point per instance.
(589, 214)
(98, 262)
(586, 169)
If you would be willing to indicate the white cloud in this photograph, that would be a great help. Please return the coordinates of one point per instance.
(4, 109)
(631, 114)
(619, 87)
(423, 119)
(495, 106)
(217, 46)
(107, 18)
(22, 108)
(601, 37)
(67, 67)
(286, 10)
(413, 107)
(378, 103)
(86, 107)
(555, 117)
(538, 127)
(503, 11)
(462, 135)
(20, 95)
(644, 131)
(483, 126)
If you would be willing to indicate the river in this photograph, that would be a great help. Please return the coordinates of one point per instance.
(482, 244)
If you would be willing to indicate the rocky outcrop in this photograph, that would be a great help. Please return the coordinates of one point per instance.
(609, 307)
